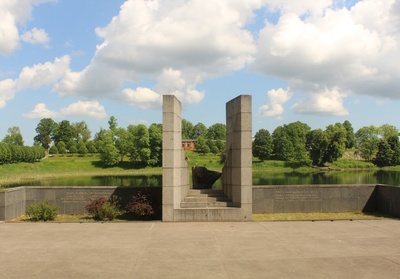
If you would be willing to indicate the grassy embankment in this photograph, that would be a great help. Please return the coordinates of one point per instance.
(59, 166)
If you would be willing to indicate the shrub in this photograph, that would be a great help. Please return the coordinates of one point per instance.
(140, 205)
(103, 209)
(43, 211)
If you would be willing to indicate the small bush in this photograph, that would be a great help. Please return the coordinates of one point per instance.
(140, 205)
(103, 209)
(43, 211)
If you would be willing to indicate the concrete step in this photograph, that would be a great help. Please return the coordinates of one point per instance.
(205, 199)
(204, 204)
(208, 192)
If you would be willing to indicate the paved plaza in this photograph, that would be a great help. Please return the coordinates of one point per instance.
(290, 249)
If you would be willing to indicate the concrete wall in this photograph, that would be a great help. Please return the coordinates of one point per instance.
(175, 178)
(388, 200)
(12, 203)
(70, 200)
(237, 172)
(314, 198)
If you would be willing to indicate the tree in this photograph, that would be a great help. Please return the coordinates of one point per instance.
(367, 141)
(199, 130)
(388, 131)
(216, 131)
(317, 143)
(155, 141)
(110, 155)
(384, 156)
(123, 142)
(140, 152)
(81, 131)
(187, 129)
(201, 146)
(337, 138)
(62, 148)
(350, 137)
(91, 147)
(14, 136)
(63, 132)
(53, 149)
(113, 123)
(45, 130)
(262, 145)
(290, 142)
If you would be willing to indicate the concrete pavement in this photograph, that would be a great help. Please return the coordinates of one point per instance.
(292, 249)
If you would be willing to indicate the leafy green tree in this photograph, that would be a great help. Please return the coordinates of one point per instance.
(367, 141)
(290, 142)
(199, 130)
(110, 155)
(155, 141)
(140, 152)
(388, 131)
(73, 149)
(62, 148)
(187, 129)
(317, 143)
(262, 145)
(201, 145)
(53, 149)
(113, 124)
(337, 138)
(45, 130)
(91, 147)
(123, 142)
(81, 131)
(393, 141)
(14, 136)
(5, 153)
(350, 137)
(384, 156)
(81, 146)
(63, 132)
(216, 131)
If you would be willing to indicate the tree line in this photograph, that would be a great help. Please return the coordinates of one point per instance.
(141, 146)
(299, 145)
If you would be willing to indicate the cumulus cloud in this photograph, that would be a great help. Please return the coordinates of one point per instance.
(43, 74)
(318, 47)
(142, 97)
(85, 108)
(162, 40)
(275, 102)
(81, 108)
(35, 36)
(329, 102)
(41, 111)
(7, 91)
(12, 15)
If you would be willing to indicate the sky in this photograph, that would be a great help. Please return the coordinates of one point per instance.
(318, 62)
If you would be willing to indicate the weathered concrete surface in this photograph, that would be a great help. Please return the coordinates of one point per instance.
(339, 249)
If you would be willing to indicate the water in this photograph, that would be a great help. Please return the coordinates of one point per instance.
(259, 178)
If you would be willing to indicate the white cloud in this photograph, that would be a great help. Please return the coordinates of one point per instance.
(85, 108)
(141, 97)
(81, 108)
(7, 91)
(148, 38)
(318, 48)
(12, 15)
(43, 74)
(35, 36)
(323, 103)
(275, 102)
(41, 111)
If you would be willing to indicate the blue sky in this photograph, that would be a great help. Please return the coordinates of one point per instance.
(319, 62)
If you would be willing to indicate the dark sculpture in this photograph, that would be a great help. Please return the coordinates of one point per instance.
(203, 178)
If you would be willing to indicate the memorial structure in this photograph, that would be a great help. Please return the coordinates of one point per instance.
(234, 201)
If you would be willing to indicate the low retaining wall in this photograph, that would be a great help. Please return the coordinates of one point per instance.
(70, 200)
(266, 199)
(313, 198)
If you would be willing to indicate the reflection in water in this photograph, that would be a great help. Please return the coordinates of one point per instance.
(259, 178)
(332, 177)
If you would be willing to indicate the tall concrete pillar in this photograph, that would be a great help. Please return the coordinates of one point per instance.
(237, 172)
(175, 177)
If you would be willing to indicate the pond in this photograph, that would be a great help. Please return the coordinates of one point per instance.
(259, 178)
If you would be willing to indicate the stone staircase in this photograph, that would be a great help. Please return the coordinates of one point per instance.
(205, 198)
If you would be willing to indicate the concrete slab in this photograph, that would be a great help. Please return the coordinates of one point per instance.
(291, 249)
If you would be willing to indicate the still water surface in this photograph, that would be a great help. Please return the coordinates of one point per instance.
(259, 178)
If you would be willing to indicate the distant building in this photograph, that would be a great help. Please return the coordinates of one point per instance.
(189, 144)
